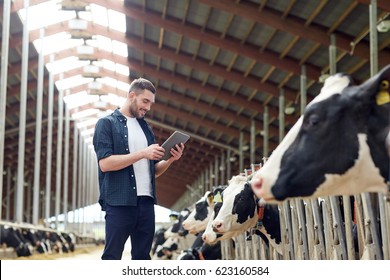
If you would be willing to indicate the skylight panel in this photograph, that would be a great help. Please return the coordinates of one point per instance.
(73, 81)
(45, 14)
(85, 113)
(119, 48)
(57, 42)
(66, 64)
(79, 99)
(117, 21)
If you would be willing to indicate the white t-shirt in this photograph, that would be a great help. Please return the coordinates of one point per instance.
(138, 141)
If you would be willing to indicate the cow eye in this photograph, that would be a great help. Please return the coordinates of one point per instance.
(313, 120)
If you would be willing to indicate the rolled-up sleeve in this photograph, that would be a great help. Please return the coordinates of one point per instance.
(102, 139)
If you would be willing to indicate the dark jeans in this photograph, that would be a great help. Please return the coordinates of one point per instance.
(138, 222)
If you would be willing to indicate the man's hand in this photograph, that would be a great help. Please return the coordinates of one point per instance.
(177, 152)
(154, 152)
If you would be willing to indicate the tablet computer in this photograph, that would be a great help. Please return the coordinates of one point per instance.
(176, 138)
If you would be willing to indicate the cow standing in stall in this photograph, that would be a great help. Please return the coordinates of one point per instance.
(198, 219)
(238, 213)
(177, 239)
(340, 146)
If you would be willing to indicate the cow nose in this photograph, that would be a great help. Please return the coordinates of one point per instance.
(257, 183)
(217, 225)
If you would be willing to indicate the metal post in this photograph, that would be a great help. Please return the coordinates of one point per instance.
(266, 131)
(59, 153)
(22, 117)
(84, 187)
(216, 171)
(66, 167)
(8, 197)
(3, 87)
(228, 166)
(80, 182)
(332, 55)
(211, 176)
(38, 131)
(223, 168)
(281, 114)
(28, 201)
(303, 89)
(373, 38)
(241, 152)
(49, 141)
(207, 180)
(74, 164)
(253, 141)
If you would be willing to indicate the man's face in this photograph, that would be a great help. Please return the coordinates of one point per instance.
(141, 103)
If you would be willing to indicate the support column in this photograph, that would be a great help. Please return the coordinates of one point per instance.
(303, 88)
(75, 168)
(332, 55)
(50, 103)
(8, 192)
(373, 38)
(59, 153)
(3, 87)
(228, 166)
(266, 131)
(66, 167)
(223, 168)
(216, 171)
(241, 152)
(281, 115)
(22, 117)
(253, 141)
(38, 132)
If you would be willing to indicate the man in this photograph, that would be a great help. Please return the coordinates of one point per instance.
(129, 162)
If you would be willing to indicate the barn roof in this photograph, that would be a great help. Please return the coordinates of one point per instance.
(217, 65)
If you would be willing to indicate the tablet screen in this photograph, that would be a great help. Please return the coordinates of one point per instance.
(176, 138)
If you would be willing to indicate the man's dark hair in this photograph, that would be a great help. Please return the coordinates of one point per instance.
(142, 84)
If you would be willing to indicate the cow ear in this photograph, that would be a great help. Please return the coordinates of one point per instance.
(376, 87)
(210, 199)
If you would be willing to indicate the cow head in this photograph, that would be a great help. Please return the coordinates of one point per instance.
(338, 147)
(199, 217)
(238, 210)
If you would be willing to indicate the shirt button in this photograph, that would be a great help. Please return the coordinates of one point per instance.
(133, 188)
(125, 126)
(125, 135)
(132, 175)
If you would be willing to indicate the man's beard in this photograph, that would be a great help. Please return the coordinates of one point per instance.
(134, 111)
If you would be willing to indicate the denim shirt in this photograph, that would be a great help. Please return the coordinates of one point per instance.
(119, 188)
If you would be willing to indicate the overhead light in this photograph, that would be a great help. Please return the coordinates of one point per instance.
(91, 71)
(383, 26)
(245, 148)
(85, 52)
(232, 159)
(74, 5)
(80, 34)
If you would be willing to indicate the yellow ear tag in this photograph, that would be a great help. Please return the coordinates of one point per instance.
(217, 198)
(383, 95)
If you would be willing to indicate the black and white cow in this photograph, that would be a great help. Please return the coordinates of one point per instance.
(239, 212)
(340, 146)
(177, 239)
(201, 250)
(12, 237)
(158, 239)
(198, 219)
